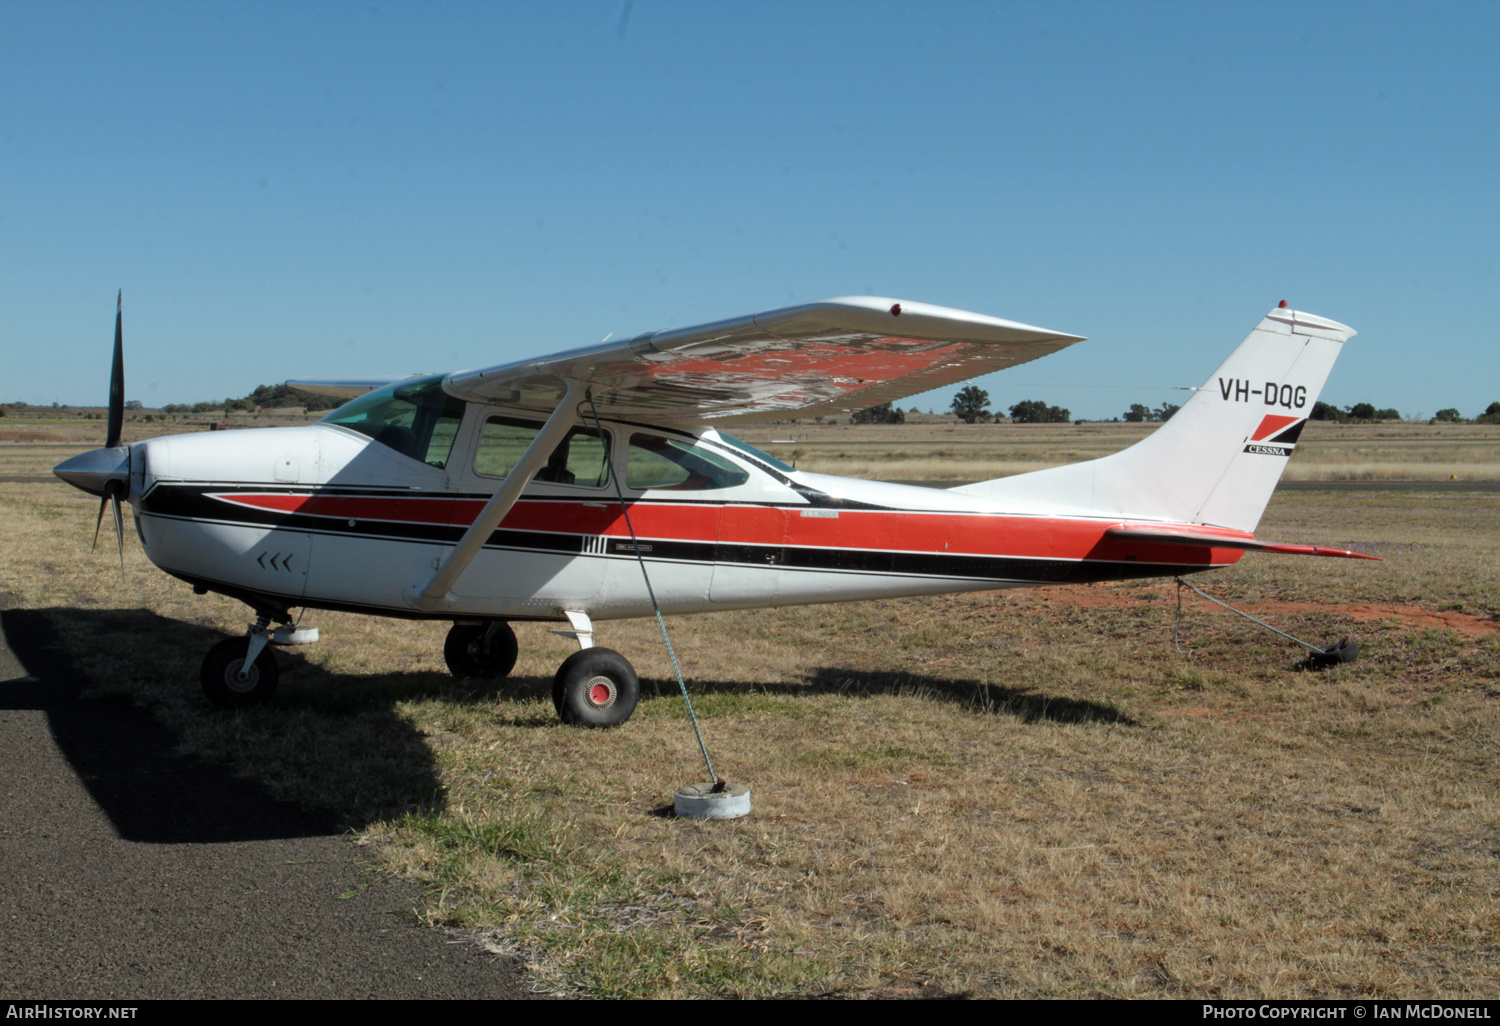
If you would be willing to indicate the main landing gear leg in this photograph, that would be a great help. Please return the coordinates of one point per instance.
(482, 649)
(594, 687)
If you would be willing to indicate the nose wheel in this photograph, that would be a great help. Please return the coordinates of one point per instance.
(232, 678)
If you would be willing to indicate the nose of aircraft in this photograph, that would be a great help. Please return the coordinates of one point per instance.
(98, 471)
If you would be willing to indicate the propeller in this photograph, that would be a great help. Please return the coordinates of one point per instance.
(106, 472)
(114, 488)
(117, 378)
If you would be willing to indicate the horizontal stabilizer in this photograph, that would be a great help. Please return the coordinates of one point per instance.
(1220, 538)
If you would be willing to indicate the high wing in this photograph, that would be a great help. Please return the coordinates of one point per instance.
(819, 359)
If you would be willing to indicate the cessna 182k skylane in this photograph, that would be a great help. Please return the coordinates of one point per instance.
(543, 490)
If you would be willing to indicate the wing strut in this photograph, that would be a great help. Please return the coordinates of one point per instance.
(435, 594)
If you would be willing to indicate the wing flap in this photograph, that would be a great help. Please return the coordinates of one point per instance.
(819, 359)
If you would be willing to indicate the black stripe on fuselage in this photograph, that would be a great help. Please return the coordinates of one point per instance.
(197, 505)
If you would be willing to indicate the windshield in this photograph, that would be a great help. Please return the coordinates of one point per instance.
(415, 417)
(750, 450)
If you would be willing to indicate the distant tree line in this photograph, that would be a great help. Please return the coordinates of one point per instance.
(1365, 412)
(971, 405)
(1138, 413)
(1491, 415)
(264, 397)
(885, 413)
(275, 396)
(1034, 411)
(1357, 412)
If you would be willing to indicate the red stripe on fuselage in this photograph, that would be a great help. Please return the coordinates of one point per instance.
(405, 510)
(982, 534)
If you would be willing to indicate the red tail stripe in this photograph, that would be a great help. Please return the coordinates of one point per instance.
(1272, 424)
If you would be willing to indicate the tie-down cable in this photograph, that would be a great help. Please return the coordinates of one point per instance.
(1345, 651)
(718, 799)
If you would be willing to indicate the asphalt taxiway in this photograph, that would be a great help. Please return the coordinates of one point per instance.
(130, 872)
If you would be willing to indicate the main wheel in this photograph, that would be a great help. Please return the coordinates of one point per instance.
(595, 687)
(472, 650)
(221, 678)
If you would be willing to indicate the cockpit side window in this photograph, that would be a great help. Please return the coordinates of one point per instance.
(415, 417)
(655, 461)
(582, 458)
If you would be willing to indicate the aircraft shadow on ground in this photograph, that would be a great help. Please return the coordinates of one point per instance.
(975, 695)
(130, 762)
(131, 765)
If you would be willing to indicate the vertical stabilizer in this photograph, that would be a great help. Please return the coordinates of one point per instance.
(1218, 459)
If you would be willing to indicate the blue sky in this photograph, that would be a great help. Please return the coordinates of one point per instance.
(324, 190)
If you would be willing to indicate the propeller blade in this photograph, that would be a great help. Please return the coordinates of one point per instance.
(103, 501)
(114, 494)
(117, 379)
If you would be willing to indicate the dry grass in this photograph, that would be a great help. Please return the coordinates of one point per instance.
(1000, 794)
(1439, 550)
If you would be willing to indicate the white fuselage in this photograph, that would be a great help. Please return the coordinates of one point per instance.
(323, 516)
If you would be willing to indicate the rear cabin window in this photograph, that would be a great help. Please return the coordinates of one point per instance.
(415, 417)
(581, 458)
(655, 461)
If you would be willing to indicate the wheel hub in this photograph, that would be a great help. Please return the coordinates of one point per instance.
(240, 679)
(601, 692)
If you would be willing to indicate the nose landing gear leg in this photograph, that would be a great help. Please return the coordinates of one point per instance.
(241, 671)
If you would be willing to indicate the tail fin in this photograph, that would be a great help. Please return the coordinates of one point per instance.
(1218, 459)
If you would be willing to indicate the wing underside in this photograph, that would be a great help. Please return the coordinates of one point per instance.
(820, 359)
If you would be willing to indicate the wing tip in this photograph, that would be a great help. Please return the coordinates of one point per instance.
(924, 317)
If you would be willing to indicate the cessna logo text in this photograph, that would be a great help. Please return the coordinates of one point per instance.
(1238, 390)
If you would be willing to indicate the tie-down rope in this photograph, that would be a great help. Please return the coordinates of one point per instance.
(1177, 624)
(656, 607)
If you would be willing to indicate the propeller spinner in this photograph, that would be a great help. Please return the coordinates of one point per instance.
(106, 472)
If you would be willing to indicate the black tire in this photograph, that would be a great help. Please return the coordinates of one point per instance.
(595, 687)
(468, 654)
(220, 675)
